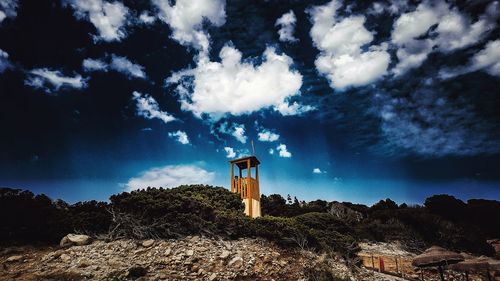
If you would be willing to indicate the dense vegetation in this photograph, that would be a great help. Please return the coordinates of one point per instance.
(214, 211)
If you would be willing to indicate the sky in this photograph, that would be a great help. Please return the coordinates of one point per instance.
(343, 100)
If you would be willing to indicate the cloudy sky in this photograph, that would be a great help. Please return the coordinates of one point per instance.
(344, 100)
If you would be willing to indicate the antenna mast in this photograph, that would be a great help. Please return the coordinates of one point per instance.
(253, 149)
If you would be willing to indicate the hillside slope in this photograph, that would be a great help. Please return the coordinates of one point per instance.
(189, 258)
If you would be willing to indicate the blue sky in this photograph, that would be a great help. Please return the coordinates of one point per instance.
(344, 100)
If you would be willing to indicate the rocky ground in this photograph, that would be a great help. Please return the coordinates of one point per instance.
(190, 258)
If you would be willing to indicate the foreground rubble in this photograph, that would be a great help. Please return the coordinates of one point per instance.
(190, 258)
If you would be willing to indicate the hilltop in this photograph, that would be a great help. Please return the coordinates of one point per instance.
(198, 224)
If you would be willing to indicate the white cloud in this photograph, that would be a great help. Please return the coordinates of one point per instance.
(186, 19)
(4, 61)
(148, 108)
(125, 66)
(412, 52)
(395, 8)
(488, 60)
(109, 18)
(342, 59)
(287, 25)
(283, 152)
(180, 136)
(288, 109)
(453, 31)
(146, 18)
(239, 133)
(413, 24)
(230, 153)
(271, 151)
(8, 9)
(377, 8)
(239, 153)
(117, 63)
(53, 80)
(171, 176)
(231, 86)
(94, 65)
(267, 135)
(318, 171)
(412, 55)
(236, 130)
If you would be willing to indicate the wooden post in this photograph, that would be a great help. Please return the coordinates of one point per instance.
(257, 191)
(488, 274)
(240, 185)
(232, 177)
(249, 187)
(397, 268)
(441, 272)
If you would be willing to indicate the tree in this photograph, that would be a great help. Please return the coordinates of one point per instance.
(446, 206)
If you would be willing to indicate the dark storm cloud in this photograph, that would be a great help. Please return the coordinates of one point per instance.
(416, 114)
(8, 9)
(46, 38)
(432, 123)
(90, 56)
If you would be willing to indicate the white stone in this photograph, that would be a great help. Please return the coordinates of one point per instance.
(75, 239)
(148, 243)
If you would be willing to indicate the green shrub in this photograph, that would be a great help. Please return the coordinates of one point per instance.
(201, 209)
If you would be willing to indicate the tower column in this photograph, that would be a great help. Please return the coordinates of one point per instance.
(257, 191)
(249, 189)
(240, 185)
(232, 177)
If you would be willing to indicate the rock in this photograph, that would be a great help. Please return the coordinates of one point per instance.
(236, 262)
(137, 271)
(83, 263)
(75, 239)
(65, 257)
(148, 243)
(174, 259)
(495, 243)
(225, 254)
(14, 258)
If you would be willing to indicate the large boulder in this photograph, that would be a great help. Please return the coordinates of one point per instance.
(75, 239)
(148, 243)
(14, 258)
(495, 243)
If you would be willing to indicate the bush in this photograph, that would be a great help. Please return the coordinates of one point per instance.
(201, 209)
(185, 210)
(90, 217)
(27, 218)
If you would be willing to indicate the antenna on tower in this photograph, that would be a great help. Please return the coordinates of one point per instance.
(253, 149)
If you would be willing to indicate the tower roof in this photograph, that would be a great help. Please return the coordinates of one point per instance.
(242, 162)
